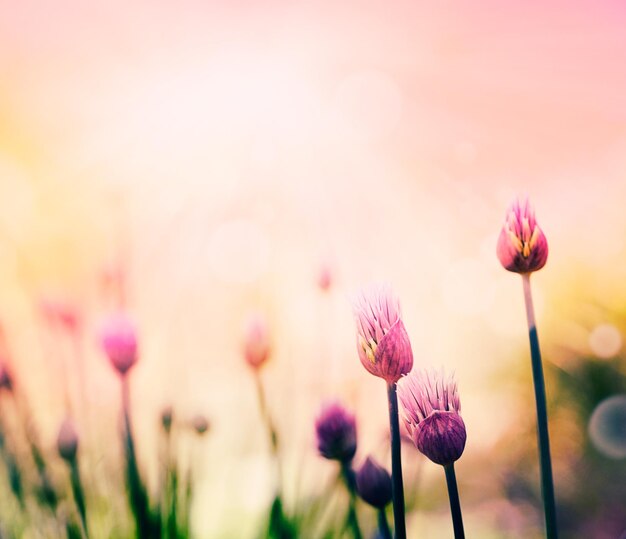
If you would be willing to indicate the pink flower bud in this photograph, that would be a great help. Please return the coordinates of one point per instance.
(60, 312)
(256, 341)
(431, 405)
(67, 441)
(119, 342)
(324, 277)
(522, 246)
(382, 341)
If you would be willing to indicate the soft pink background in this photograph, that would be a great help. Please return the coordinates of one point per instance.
(222, 153)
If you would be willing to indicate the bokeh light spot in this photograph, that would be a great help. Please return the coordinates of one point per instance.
(607, 427)
(605, 341)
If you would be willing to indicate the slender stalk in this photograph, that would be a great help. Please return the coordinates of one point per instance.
(383, 525)
(79, 494)
(547, 484)
(352, 521)
(146, 527)
(279, 525)
(396, 463)
(455, 504)
(265, 412)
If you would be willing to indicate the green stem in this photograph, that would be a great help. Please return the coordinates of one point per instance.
(547, 485)
(352, 520)
(79, 494)
(396, 463)
(279, 525)
(265, 413)
(146, 526)
(383, 525)
(455, 504)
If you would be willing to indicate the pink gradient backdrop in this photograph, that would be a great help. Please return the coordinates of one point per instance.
(225, 153)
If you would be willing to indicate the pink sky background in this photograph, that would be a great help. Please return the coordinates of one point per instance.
(227, 150)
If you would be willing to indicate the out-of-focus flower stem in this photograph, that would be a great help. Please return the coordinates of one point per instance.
(146, 526)
(279, 525)
(348, 476)
(396, 463)
(547, 485)
(269, 424)
(455, 504)
(79, 494)
(383, 525)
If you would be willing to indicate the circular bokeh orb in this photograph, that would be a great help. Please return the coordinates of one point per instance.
(607, 427)
(605, 341)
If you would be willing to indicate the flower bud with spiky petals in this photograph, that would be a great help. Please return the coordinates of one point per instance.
(522, 245)
(382, 340)
(432, 414)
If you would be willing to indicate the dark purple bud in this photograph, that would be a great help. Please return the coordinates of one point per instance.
(67, 440)
(431, 406)
(441, 437)
(6, 381)
(336, 433)
(200, 424)
(373, 483)
(167, 416)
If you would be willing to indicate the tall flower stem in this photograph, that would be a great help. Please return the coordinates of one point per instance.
(547, 485)
(79, 494)
(455, 504)
(396, 463)
(348, 476)
(279, 525)
(383, 525)
(146, 527)
(269, 424)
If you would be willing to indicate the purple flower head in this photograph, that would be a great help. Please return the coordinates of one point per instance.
(336, 433)
(256, 341)
(119, 342)
(431, 410)
(522, 246)
(67, 440)
(382, 341)
(373, 483)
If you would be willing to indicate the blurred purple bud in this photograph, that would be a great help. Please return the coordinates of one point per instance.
(373, 483)
(67, 440)
(336, 433)
(6, 381)
(167, 416)
(200, 424)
